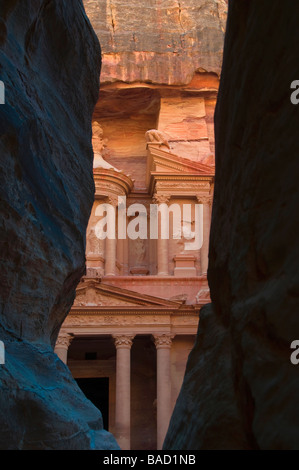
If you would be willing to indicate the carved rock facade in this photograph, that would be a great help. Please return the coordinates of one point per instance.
(154, 122)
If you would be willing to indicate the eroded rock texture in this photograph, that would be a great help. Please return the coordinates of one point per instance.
(158, 41)
(50, 67)
(240, 389)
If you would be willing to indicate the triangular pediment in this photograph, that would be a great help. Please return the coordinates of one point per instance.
(94, 293)
(160, 160)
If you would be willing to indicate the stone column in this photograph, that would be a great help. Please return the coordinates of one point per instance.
(162, 244)
(110, 252)
(62, 345)
(152, 256)
(123, 345)
(164, 408)
(126, 256)
(122, 245)
(204, 252)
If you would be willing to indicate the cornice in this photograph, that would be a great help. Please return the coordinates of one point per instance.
(118, 179)
(104, 311)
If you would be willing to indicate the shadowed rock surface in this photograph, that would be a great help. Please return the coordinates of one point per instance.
(163, 41)
(50, 65)
(240, 389)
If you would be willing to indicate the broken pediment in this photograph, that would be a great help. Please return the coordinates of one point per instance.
(161, 162)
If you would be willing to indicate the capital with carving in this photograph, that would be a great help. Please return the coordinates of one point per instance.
(204, 199)
(64, 340)
(112, 200)
(161, 199)
(163, 340)
(123, 341)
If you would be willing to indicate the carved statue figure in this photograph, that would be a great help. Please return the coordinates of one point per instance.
(203, 294)
(139, 251)
(92, 243)
(99, 144)
(153, 136)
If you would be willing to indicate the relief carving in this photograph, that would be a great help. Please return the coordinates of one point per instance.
(91, 297)
(93, 244)
(139, 251)
(153, 136)
(99, 144)
(203, 294)
(123, 341)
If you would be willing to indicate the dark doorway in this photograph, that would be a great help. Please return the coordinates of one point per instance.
(96, 389)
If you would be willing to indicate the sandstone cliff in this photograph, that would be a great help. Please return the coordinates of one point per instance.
(50, 65)
(163, 41)
(240, 389)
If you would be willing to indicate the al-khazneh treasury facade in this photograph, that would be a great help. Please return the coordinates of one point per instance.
(136, 312)
(127, 337)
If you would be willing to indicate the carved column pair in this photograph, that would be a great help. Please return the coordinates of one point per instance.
(163, 244)
(123, 345)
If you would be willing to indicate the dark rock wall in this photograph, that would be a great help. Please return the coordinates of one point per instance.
(50, 65)
(240, 389)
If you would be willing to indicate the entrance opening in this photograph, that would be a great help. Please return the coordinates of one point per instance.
(96, 389)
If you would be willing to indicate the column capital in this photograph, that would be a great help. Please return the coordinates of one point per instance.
(123, 341)
(64, 340)
(163, 340)
(161, 199)
(112, 200)
(204, 199)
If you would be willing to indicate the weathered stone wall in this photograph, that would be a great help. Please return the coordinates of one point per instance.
(158, 41)
(50, 65)
(240, 389)
(161, 61)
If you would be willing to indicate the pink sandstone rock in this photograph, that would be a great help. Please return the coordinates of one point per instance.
(160, 42)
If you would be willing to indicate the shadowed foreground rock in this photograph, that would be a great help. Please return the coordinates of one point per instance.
(49, 63)
(240, 389)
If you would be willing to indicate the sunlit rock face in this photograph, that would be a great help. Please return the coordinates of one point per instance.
(240, 389)
(50, 65)
(163, 41)
(161, 62)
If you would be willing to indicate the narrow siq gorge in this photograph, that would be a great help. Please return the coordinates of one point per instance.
(142, 342)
